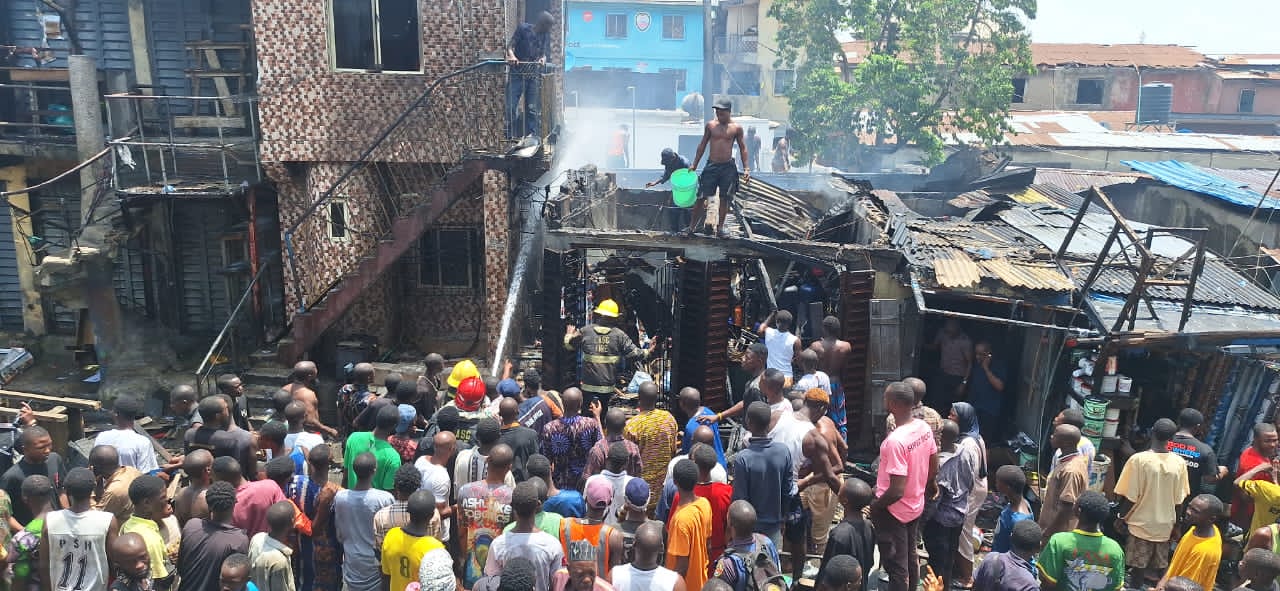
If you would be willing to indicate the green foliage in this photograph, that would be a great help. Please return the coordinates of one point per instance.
(933, 69)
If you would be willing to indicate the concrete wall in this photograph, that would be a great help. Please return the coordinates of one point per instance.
(640, 51)
(1156, 203)
(14, 178)
(1266, 97)
(1055, 88)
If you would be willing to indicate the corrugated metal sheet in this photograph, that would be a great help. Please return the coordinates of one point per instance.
(1237, 191)
(10, 289)
(766, 204)
(204, 283)
(1026, 275)
(1074, 181)
(1119, 55)
(172, 24)
(103, 26)
(953, 269)
(1218, 285)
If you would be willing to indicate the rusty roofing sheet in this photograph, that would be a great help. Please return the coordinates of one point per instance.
(954, 269)
(1074, 181)
(1026, 275)
(1120, 55)
(1250, 59)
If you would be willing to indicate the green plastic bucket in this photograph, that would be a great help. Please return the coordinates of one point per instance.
(1095, 416)
(684, 187)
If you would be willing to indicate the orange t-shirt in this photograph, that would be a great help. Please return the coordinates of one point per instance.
(687, 535)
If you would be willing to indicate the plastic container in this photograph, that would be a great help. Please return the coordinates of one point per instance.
(1113, 414)
(1098, 476)
(1110, 427)
(1095, 416)
(1124, 384)
(684, 187)
(1110, 383)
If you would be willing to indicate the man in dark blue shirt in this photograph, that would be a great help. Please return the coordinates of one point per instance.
(986, 390)
(526, 57)
(762, 474)
(671, 162)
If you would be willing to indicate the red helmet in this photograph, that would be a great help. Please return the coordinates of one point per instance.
(470, 394)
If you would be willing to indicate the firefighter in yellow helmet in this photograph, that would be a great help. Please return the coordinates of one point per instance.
(604, 347)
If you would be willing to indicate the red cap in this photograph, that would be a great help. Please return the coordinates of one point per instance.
(470, 393)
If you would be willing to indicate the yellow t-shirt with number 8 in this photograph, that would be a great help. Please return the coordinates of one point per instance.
(402, 555)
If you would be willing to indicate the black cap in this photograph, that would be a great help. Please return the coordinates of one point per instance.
(723, 105)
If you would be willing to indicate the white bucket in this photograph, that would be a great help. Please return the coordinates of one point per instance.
(1113, 414)
(1109, 383)
(1110, 427)
(1124, 384)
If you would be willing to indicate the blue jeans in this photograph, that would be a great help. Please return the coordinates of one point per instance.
(526, 81)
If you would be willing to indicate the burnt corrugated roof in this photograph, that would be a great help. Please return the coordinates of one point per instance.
(962, 253)
(767, 205)
(1218, 284)
(1073, 180)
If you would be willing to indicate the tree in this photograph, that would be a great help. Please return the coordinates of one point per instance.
(932, 69)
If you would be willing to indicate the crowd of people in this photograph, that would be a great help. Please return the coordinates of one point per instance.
(461, 481)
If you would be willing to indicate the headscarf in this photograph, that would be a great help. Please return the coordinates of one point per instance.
(436, 571)
(966, 418)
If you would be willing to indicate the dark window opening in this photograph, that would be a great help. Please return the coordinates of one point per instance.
(1019, 90)
(783, 82)
(1246, 101)
(673, 27)
(338, 220)
(1089, 92)
(377, 35)
(615, 26)
(451, 257)
(744, 82)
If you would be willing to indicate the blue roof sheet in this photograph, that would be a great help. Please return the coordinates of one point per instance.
(1193, 178)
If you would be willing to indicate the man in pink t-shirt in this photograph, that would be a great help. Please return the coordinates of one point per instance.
(908, 472)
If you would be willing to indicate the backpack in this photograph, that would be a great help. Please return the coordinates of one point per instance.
(762, 573)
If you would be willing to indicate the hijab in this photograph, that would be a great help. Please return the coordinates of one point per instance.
(966, 418)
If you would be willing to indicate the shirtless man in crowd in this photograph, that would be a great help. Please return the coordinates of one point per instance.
(302, 389)
(832, 353)
(720, 173)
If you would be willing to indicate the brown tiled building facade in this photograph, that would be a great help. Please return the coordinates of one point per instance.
(317, 120)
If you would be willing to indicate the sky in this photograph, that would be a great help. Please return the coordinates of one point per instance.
(1212, 27)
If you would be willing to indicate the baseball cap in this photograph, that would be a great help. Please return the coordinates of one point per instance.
(470, 393)
(637, 493)
(599, 493)
(407, 414)
(817, 395)
(724, 104)
(509, 388)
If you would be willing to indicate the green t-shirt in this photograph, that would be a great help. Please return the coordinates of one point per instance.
(388, 459)
(1083, 561)
(546, 521)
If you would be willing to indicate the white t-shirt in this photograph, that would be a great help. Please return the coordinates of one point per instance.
(541, 548)
(782, 347)
(78, 544)
(435, 479)
(629, 578)
(790, 432)
(304, 440)
(135, 450)
(817, 379)
(718, 473)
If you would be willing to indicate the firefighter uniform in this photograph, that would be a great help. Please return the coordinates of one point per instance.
(603, 349)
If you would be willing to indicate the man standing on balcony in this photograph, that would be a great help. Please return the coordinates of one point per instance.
(721, 174)
(526, 57)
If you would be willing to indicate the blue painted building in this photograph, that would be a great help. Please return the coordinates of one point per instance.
(654, 46)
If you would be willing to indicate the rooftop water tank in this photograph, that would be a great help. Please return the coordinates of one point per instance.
(1154, 103)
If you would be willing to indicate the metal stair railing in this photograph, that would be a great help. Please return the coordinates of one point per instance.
(457, 115)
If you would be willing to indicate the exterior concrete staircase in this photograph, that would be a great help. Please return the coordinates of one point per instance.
(405, 231)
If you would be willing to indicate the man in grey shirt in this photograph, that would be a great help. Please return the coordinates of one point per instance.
(353, 511)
